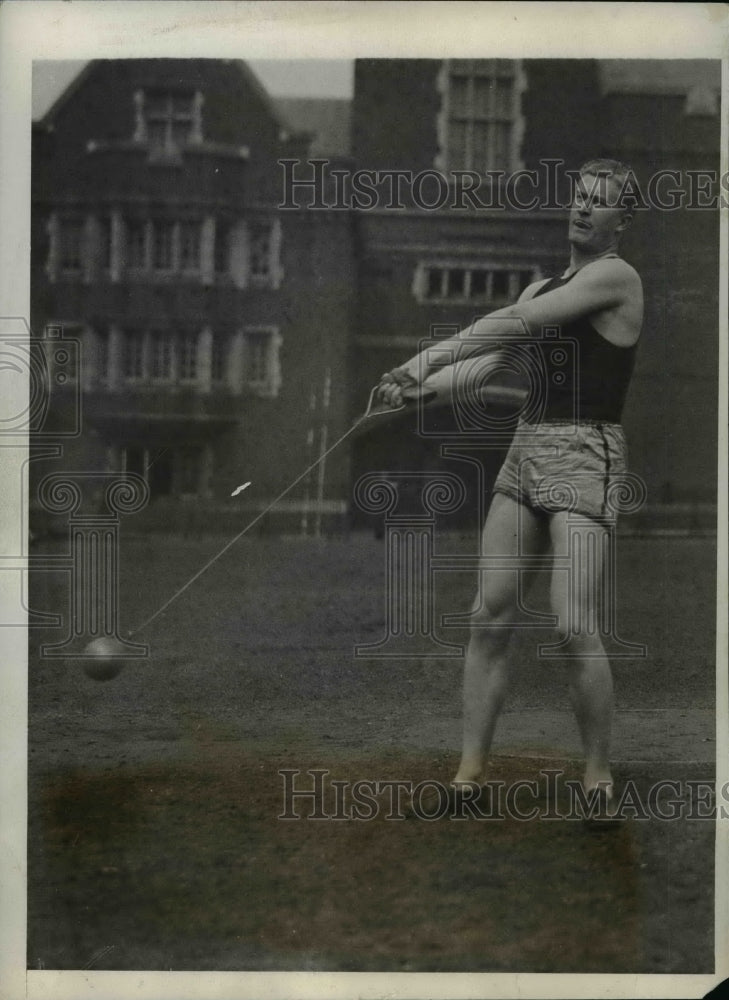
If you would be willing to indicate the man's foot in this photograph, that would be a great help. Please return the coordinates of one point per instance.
(602, 810)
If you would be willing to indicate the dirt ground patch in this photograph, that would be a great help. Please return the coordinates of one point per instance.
(154, 800)
(190, 867)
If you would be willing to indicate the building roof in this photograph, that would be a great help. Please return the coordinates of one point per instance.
(659, 76)
(86, 71)
(67, 93)
(328, 120)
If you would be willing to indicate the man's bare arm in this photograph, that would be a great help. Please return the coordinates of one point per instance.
(593, 289)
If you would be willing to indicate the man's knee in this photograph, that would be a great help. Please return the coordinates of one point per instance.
(491, 623)
(579, 629)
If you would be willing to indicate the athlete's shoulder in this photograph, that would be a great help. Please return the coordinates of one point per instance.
(612, 270)
(611, 277)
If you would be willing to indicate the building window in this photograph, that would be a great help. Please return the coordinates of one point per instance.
(163, 245)
(457, 283)
(258, 358)
(187, 357)
(190, 243)
(71, 239)
(137, 244)
(154, 465)
(133, 355)
(261, 244)
(264, 252)
(500, 284)
(436, 282)
(219, 357)
(262, 371)
(479, 114)
(167, 121)
(479, 288)
(161, 356)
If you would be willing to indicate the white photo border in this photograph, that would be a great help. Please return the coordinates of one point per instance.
(315, 30)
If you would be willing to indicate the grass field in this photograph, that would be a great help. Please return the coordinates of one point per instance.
(154, 799)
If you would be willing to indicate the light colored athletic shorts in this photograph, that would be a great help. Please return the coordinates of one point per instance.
(555, 466)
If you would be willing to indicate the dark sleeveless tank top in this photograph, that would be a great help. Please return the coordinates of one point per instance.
(586, 377)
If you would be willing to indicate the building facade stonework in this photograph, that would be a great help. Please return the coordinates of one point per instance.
(158, 244)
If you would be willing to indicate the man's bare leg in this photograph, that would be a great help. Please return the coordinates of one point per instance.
(510, 530)
(574, 599)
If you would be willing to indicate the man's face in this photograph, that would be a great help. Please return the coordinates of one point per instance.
(596, 219)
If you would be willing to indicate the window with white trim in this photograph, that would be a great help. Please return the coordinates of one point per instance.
(479, 114)
(258, 358)
(466, 283)
(164, 246)
(261, 244)
(262, 370)
(187, 356)
(264, 252)
(167, 121)
(160, 356)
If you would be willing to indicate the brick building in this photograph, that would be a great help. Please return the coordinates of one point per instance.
(157, 243)
(226, 339)
(423, 270)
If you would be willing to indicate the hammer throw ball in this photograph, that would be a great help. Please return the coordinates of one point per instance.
(104, 658)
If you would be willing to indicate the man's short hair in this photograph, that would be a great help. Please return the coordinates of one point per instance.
(621, 173)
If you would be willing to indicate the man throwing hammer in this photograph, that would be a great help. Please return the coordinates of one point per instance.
(577, 440)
